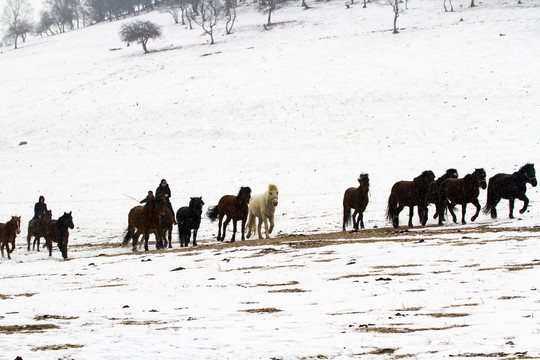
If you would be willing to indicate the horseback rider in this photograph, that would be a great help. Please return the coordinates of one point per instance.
(40, 208)
(148, 198)
(164, 192)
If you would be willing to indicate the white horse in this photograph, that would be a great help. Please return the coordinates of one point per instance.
(263, 206)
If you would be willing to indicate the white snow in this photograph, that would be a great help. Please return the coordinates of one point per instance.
(324, 95)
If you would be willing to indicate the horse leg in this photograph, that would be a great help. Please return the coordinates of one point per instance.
(235, 222)
(220, 222)
(225, 223)
(170, 237)
(251, 224)
(259, 226)
(194, 237)
(243, 225)
(28, 239)
(355, 220)
(511, 206)
(346, 215)
(36, 240)
(395, 220)
(271, 218)
(146, 237)
(49, 246)
(265, 219)
(478, 208)
(525, 200)
(361, 220)
(463, 210)
(411, 214)
(451, 209)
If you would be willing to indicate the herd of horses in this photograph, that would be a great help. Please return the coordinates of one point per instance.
(155, 217)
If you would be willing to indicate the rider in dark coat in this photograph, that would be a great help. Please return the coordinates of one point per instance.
(163, 191)
(40, 208)
(148, 198)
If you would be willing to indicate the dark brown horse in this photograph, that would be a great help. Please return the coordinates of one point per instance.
(37, 228)
(233, 208)
(357, 199)
(511, 187)
(433, 194)
(461, 191)
(411, 194)
(189, 218)
(145, 220)
(8, 233)
(58, 231)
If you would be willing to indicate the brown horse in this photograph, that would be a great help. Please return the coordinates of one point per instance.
(8, 233)
(144, 220)
(357, 199)
(433, 193)
(37, 228)
(234, 208)
(411, 194)
(162, 231)
(58, 231)
(461, 191)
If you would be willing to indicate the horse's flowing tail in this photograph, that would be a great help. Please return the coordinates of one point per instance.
(346, 217)
(127, 236)
(391, 208)
(491, 203)
(212, 213)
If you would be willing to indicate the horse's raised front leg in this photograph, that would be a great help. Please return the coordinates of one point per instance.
(476, 203)
(525, 200)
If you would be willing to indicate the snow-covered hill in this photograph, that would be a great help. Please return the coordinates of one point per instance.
(322, 96)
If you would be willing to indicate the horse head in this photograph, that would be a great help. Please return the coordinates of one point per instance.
(196, 205)
(17, 221)
(66, 220)
(530, 173)
(244, 194)
(363, 180)
(480, 176)
(422, 181)
(273, 193)
(452, 174)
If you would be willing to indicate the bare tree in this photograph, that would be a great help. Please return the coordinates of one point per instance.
(451, 6)
(210, 13)
(44, 24)
(395, 8)
(268, 6)
(140, 31)
(174, 7)
(472, 3)
(16, 15)
(230, 15)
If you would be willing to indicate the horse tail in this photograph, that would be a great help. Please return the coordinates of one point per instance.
(212, 213)
(391, 208)
(346, 217)
(127, 236)
(489, 208)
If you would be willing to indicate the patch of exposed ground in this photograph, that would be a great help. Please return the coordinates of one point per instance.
(262, 310)
(56, 347)
(403, 330)
(32, 328)
(54, 317)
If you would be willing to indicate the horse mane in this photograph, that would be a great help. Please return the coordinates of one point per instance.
(272, 187)
(243, 189)
(525, 168)
(363, 179)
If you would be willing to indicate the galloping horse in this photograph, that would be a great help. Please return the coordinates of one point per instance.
(411, 194)
(58, 231)
(433, 194)
(37, 228)
(189, 218)
(511, 187)
(144, 219)
(234, 208)
(357, 199)
(8, 233)
(461, 191)
(263, 207)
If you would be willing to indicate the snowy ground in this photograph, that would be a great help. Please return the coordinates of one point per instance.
(324, 95)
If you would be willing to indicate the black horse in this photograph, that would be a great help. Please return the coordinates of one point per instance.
(432, 196)
(511, 187)
(189, 218)
(411, 194)
(58, 232)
